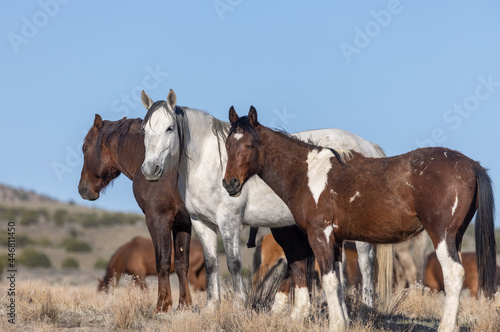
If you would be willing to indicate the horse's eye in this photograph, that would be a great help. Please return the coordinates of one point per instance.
(170, 129)
(248, 146)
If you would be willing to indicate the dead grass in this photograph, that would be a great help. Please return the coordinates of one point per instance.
(42, 306)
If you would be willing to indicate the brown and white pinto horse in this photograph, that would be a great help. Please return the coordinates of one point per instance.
(137, 258)
(377, 200)
(114, 147)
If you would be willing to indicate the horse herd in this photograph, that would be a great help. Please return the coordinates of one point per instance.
(315, 190)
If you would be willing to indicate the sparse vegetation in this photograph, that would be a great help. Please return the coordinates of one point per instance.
(100, 263)
(70, 263)
(43, 306)
(34, 258)
(72, 244)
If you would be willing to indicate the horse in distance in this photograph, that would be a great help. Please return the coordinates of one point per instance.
(137, 258)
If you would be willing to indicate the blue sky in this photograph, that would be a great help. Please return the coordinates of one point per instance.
(398, 73)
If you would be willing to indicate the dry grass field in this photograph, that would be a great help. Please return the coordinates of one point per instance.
(61, 299)
(48, 300)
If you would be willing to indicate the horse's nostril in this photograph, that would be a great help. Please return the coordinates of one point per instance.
(157, 170)
(235, 183)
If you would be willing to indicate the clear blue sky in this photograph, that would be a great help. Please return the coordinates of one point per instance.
(398, 73)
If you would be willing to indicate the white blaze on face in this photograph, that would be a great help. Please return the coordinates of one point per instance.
(318, 166)
(237, 136)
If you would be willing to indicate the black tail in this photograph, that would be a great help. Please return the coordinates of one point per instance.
(485, 233)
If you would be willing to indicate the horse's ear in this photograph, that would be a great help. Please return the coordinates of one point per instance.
(171, 99)
(232, 115)
(98, 122)
(252, 116)
(146, 101)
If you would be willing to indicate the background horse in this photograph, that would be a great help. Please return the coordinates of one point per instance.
(115, 147)
(336, 196)
(137, 258)
(434, 273)
(192, 142)
(268, 255)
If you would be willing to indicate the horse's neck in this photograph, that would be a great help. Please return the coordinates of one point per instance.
(283, 153)
(202, 147)
(115, 266)
(130, 155)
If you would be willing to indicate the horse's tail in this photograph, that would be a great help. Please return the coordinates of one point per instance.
(485, 232)
(383, 273)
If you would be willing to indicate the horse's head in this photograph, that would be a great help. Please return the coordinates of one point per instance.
(98, 165)
(161, 135)
(102, 286)
(244, 155)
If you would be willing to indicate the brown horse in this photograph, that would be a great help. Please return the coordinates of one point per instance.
(336, 196)
(115, 147)
(434, 273)
(269, 254)
(137, 258)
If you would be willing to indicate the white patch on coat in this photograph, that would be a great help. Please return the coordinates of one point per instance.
(454, 207)
(280, 301)
(318, 166)
(302, 303)
(330, 285)
(237, 136)
(328, 231)
(357, 194)
(445, 154)
(453, 277)
(410, 185)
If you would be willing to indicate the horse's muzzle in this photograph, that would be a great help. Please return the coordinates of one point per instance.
(233, 187)
(86, 193)
(152, 171)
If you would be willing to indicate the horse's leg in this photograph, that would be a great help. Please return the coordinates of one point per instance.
(296, 249)
(160, 226)
(182, 244)
(366, 257)
(281, 297)
(453, 277)
(207, 234)
(230, 233)
(325, 254)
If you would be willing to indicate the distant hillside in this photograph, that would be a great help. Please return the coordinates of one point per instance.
(9, 195)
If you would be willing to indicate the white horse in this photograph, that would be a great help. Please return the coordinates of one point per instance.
(192, 141)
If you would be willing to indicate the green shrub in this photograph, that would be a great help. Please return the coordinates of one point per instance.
(70, 263)
(71, 244)
(100, 263)
(60, 216)
(4, 262)
(34, 258)
(29, 217)
(21, 239)
(44, 241)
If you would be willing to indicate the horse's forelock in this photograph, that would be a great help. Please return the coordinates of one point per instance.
(244, 123)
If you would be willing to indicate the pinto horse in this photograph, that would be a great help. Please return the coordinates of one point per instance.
(342, 195)
(137, 258)
(192, 142)
(115, 147)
